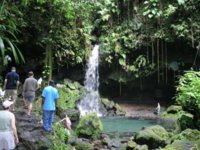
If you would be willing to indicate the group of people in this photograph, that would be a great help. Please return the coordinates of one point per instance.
(8, 131)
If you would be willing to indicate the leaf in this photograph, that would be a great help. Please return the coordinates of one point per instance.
(150, 15)
(2, 47)
(122, 62)
(181, 2)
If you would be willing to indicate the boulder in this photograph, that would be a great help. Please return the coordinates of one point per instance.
(110, 108)
(183, 145)
(83, 145)
(134, 146)
(187, 139)
(89, 126)
(188, 134)
(174, 109)
(186, 121)
(154, 136)
(131, 145)
(107, 103)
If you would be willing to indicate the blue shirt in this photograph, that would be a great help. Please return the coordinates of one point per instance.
(12, 78)
(50, 95)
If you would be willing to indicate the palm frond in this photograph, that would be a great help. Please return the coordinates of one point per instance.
(2, 47)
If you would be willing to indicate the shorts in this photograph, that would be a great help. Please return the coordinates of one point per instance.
(29, 97)
(11, 93)
(7, 140)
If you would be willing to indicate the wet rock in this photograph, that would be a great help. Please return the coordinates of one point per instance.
(31, 134)
(107, 141)
(116, 143)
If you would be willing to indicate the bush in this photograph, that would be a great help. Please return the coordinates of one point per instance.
(60, 138)
(89, 126)
(188, 93)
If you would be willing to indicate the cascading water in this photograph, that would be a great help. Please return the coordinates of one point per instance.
(90, 101)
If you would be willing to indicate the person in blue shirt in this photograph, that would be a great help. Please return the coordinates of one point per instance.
(11, 84)
(49, 102)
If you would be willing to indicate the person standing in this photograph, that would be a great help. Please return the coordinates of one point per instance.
(29, 88)
(8, 131)
(11, 84)
(49, 102)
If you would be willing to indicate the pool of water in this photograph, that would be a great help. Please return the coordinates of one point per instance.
(125, 125)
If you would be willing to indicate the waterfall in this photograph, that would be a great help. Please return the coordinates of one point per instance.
(90, 100)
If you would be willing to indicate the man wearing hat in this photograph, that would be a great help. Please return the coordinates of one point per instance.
(49, 102)
(8, 131)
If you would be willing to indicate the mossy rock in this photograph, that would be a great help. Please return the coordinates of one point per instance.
(107, 103)
(89, 126)
(119, 110)
(131, 145)
(83, 145)
(174, 109)
(186, 121)
(187, 139)
(188, 134)
(154, 136)
(183, 145)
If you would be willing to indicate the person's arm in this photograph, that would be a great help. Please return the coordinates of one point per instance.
(17, 83)
(14, 129)
(5, 83)
(43, 99)
(24, 86)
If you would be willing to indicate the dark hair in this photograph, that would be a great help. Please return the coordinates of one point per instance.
(52, 83)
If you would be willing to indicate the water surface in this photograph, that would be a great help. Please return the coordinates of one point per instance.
(125, 125)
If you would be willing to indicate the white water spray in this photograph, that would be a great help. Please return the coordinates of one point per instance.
(90, 101)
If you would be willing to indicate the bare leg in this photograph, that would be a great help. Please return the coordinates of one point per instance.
(30, 107)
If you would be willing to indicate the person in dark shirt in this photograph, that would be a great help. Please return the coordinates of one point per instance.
(11, 84)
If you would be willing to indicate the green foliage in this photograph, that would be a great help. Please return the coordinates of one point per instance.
(89, 126)
(8, 34)
(188, 92)
(70, 93)
(59, 138)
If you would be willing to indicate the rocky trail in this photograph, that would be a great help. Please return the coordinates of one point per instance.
(30, 132)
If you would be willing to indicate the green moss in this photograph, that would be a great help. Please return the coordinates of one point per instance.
(81, 145)
(186, 121)
(153, 136)
(189, 134)
(173, 112)
(131, 145)
(89, 126)
(70, 94)
(183, 145)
